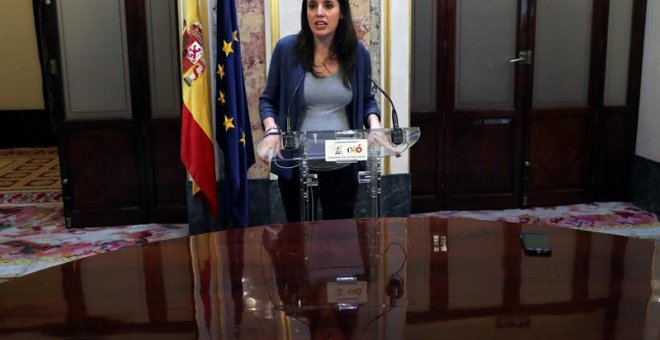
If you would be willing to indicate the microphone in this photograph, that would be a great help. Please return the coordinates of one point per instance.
(397, 132)
(288, 139)
(394, 289)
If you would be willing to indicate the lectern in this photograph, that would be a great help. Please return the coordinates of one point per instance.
(340, 147)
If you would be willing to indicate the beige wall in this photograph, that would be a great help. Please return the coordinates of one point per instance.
(648, 132)
(20, 88)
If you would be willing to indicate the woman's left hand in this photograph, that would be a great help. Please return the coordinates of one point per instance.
(379, 137)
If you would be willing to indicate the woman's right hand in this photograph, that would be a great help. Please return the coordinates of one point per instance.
(270, 144)
(269, 147)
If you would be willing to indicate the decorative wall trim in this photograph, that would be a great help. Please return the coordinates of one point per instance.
(274, 23)
(387, 76)
(375, 38)
(396, 37)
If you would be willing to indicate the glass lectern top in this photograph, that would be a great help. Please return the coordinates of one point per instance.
(314, 144)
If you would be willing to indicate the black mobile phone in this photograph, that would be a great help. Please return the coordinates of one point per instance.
(535, 244)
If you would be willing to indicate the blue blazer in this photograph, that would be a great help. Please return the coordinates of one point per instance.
(286, 72)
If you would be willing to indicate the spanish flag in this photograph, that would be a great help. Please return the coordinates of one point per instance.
(197, 148)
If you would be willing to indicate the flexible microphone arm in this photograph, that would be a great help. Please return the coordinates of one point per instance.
(397, 132)
(288, 139)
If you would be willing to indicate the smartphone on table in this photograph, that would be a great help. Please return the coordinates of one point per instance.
(535, 243)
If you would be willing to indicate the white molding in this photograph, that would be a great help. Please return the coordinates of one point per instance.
(289, 17)
(268, 34)
(287, 21)
(399, 69)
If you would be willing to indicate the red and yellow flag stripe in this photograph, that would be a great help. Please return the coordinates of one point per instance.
(197, 147)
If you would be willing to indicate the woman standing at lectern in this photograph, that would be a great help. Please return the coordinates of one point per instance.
(318, 79)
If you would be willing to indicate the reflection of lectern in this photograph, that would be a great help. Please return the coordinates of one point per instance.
(338, 287)
(340, 147)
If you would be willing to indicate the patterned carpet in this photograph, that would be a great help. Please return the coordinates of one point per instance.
(32, 232)
(29, 176)
(617, 218)
(34, 238)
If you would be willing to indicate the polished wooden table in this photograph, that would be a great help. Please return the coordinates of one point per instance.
(396, 278)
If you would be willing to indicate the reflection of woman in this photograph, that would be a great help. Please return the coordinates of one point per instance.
(286, 247)
(318, 79)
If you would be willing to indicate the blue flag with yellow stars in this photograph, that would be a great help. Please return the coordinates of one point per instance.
(233, 120)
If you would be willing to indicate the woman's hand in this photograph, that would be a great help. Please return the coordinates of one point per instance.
(269, 146)
(379, 137)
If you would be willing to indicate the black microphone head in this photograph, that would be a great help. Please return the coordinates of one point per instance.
(394, 288)
(397, 136)
(289, 141)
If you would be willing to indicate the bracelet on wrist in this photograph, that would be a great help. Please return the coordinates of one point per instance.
(275, 129)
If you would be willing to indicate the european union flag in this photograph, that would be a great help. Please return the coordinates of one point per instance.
(233, 120)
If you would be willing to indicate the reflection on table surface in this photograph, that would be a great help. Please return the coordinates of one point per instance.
(391, 278)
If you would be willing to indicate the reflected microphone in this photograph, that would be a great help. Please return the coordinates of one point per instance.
(394, 289)
(288, 139)
(397, 132)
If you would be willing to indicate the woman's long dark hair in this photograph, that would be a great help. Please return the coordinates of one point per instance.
(343, 44)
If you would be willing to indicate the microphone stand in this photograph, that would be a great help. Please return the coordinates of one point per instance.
(288, 139)
(397, 132)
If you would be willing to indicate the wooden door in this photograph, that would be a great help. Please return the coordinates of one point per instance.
(120, 102)
(516, 103)
(561, 101)
(471, 118)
